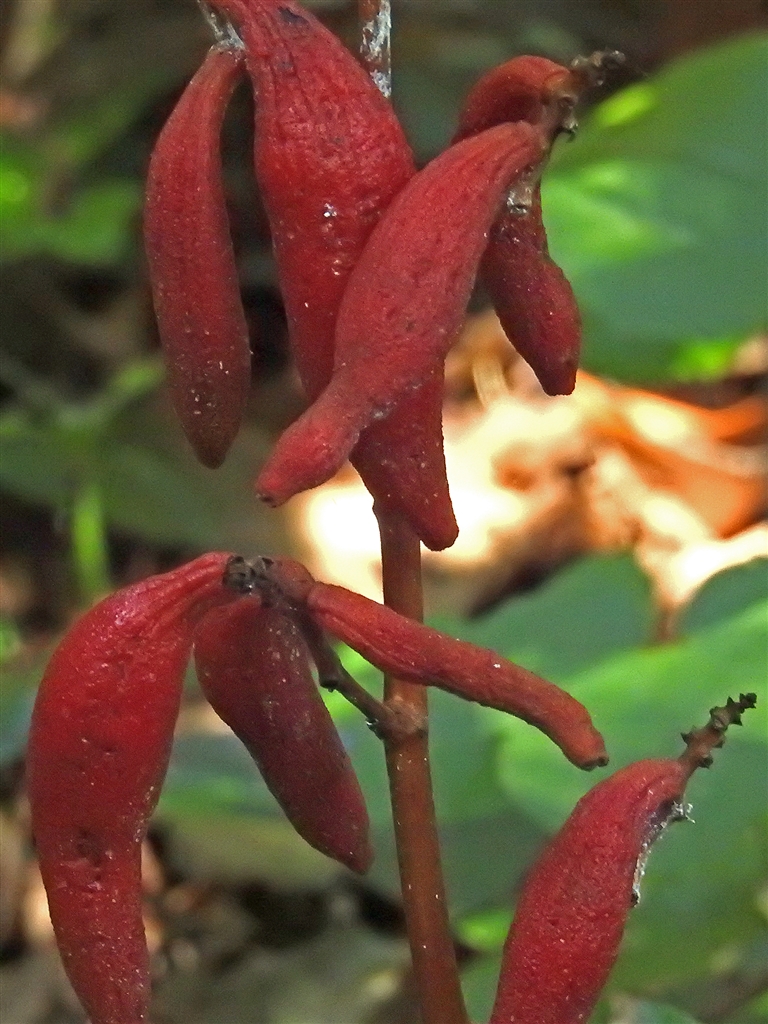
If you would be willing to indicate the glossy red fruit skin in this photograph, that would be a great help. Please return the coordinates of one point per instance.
(572, 911)
(330, 156)
(99, 744)
(410, 650)
(192, 266)
(253, 667)
(405, 301)
(532, 297)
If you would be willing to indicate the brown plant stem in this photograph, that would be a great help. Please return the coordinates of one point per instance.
(387, 721)
(407, 753)
(418, 848)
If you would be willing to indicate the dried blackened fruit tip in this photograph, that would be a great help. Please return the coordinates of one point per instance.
(535, 90)
(591, 72)
(254, 667)
(192, 268)
(279, 582)
(599, 762)
(699, 743)
(238, 575)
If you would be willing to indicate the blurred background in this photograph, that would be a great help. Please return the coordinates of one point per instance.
(613, 541)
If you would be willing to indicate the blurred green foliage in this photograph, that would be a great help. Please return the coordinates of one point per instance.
(92, 220)
(657, 213)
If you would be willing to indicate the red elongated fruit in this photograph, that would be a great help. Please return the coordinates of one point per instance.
(194, 279)
(572, 911)
(402, 462)
(413, 651)
(404, 302)
(521, 89)
(330, 156)
(532, 297)
(253, 666)
(98, 750)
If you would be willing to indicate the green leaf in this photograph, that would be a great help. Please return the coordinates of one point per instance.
(53, 456)
(88, 540)
(18, 686)
(726, 594)
(657, 214)
(641, 700)
(150, 483)
(39, 463)
(655, 1013)
(102, 121)
(227, 823)
(95, 228)
(19, 168)
(587, 611)
(10, 639)
(479, 982)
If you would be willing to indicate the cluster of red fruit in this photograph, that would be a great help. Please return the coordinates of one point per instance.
(376, 262)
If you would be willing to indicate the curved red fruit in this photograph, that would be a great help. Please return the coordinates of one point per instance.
(330, 156)
(254, 668)
(405, 301)
(402, 462)
(532, 297)
(194, 279)
(519, 90)
(572, 911)
(98, 750)
(410, 650)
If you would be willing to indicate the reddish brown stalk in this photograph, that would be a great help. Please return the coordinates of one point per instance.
(413, 811)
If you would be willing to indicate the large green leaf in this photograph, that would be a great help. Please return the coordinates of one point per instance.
(657, 214)
(725, 594)
(589, 610)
